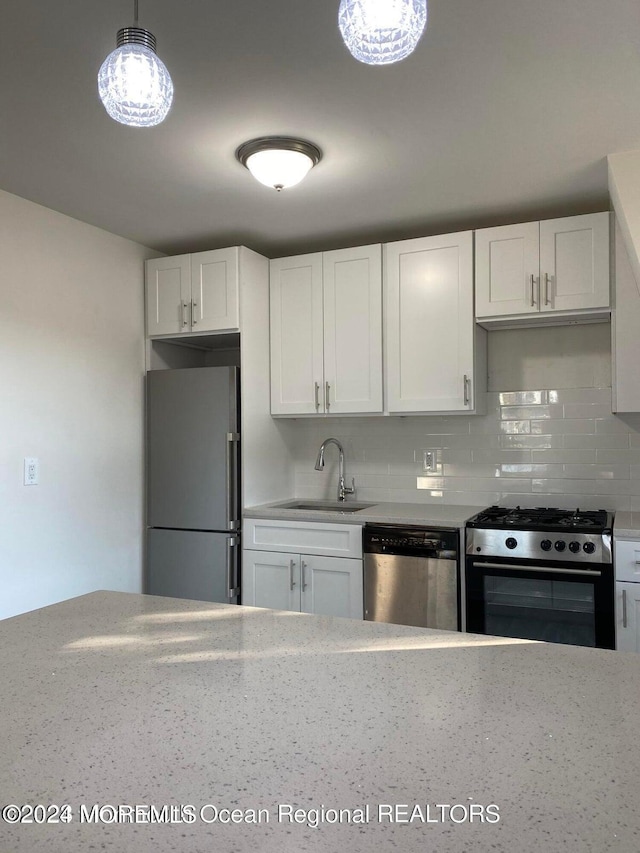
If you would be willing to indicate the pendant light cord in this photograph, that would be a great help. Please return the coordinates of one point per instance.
(135, 12)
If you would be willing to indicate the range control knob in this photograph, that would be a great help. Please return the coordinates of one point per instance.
(574, 547)
(511, 543)
(588, 547)
(546, 544)
(560, 545)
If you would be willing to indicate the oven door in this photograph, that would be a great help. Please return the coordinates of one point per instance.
(534, 600)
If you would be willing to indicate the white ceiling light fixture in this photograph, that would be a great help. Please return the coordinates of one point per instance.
(133, 82)
(379, 32)
(279, 161)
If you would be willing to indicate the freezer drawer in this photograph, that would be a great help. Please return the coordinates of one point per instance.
(192, 564)
(405, 590)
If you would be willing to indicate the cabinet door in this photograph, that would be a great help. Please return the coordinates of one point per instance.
(574, 263)
(271, 579)
(628, 617)
(214, 290)
(331, 586)
(429, 324)
(168, 295)
(297, 377)
(507, 270)
(627, 560)
(353, 330)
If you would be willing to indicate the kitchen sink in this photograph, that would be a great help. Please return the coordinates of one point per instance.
(326, 506)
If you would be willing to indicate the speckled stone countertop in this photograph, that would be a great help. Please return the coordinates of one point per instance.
(626, 525)
(120, 700)
(429, 515)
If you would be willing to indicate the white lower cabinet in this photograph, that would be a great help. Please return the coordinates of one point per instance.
(627, 567)
(627, 616)
(311, 567)
(327, 586)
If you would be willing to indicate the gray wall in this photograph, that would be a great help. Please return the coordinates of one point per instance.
(71, 379)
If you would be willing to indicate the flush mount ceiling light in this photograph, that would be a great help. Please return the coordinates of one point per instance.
(379, 32)
(279, 161)
(133, 83)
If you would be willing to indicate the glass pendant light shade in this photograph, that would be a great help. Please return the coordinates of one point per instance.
(379, 32)
(133, 83)
(278, 161)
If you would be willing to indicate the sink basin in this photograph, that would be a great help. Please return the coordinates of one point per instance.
(326, 506)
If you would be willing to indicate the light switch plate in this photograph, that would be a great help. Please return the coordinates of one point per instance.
(31, 471)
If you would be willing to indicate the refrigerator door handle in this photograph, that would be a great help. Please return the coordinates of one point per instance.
(232, 479)
(233, 588)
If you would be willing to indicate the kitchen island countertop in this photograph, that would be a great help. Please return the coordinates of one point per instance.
(116, 699)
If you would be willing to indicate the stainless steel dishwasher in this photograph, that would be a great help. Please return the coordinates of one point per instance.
(411, 576)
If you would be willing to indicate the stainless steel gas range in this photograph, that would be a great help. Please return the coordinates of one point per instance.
(541, 574)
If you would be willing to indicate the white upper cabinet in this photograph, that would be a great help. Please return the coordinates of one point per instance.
(193, 293)
(297, 367)
(507, 270)
(214, 290)
(434, 363)
(168, 295)
(352, 300)
(326, 333)
(540, 272)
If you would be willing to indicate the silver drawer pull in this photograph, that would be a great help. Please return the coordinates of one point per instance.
(292, 583)
(624, 608)
(303, 566)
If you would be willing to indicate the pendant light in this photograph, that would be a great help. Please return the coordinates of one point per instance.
(379, 32)
(133, 82)
(279, 161)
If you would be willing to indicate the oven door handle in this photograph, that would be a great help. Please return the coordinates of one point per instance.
(585, 572)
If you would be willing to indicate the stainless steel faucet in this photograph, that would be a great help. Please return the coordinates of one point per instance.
(343, 490)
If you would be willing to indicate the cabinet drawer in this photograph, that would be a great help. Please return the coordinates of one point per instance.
(627, 560)
(303, 537)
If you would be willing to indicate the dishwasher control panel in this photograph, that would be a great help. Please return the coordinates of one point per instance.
(419, 541)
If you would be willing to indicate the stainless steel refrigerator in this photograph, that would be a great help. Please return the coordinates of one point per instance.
(193, 465)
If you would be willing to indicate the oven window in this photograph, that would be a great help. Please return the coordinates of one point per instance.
(537, 609)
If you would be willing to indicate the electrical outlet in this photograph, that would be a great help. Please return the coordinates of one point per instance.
(430, 461)
(31, 471)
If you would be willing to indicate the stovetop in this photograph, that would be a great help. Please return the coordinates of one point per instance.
(543, 533)
(542, 518)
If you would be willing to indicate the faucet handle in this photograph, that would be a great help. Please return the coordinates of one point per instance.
(350, 490)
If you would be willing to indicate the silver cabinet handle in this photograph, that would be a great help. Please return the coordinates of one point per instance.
(624, 608)
(466, 384)
(303, 566)
(185, 321)
(232, 567)
(326, 396)
(533, 299)
(637, 562)
(292, 583)
(194, 305)
(547, 301)
(316, 392)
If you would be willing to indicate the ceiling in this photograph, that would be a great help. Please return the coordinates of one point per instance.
(505, 112)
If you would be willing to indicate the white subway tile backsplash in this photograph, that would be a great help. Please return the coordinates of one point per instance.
(559, 447)
(529, 412)
(609, 441)
(562, 426)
